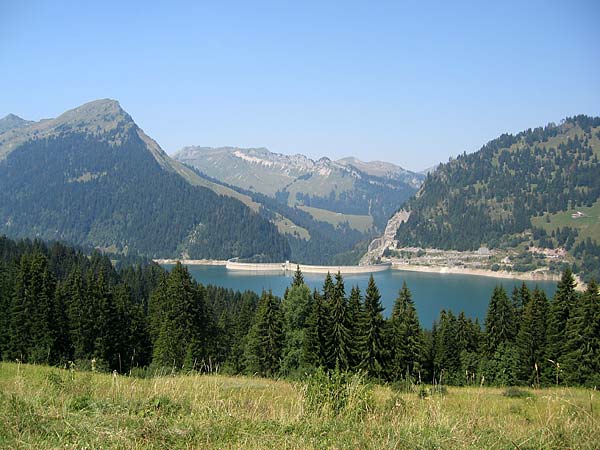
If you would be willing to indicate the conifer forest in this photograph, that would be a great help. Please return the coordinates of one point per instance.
(62, 307)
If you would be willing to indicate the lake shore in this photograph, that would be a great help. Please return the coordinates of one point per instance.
(346, 270)
(525, 276)
(503, 274)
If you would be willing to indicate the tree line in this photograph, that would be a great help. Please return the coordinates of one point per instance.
(60, 305)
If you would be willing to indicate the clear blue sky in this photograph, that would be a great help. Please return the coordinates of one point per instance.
(408, 82)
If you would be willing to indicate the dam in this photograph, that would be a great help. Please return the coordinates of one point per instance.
(289, 267)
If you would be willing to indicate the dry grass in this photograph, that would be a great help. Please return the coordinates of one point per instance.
(43, 407)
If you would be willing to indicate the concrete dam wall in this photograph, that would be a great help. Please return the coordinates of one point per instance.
(291, 267)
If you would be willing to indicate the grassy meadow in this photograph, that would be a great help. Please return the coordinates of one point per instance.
(358, 222)
(44, 407)
(588, 225)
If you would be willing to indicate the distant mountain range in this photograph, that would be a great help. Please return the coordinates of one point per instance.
(366, 193)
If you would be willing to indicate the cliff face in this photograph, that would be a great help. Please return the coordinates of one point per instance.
(388, 239)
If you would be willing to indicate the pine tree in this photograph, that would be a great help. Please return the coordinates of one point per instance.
(42, 288)
(5, 309)
(62, 340)
(561, 306)
(21, 312)
(374, 359)
(500, 333)
(242, 322)
(356, 322)
(500, 323)
(157, 305)
(468, 342)
(265, 340)
(136, 346)
(298, 278)
(525, 296)
(328, 289)
(339, 356)
(108, 325)
(131, 345)
(182, 338)
(317, 336)
(531, 339)
(582, 359)
(203, 331)
(446, 360)
(406, 338)
(296, 307)
(80, 312)
(520, 297)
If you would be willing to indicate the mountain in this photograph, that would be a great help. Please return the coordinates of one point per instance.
(536, 193)
(383, 169)
(364, 194)
(92, 177)
(11, 122)
(428, 170)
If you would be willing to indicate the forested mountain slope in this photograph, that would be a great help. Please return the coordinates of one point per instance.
(311, 241)
(539, 188)
(92, 177)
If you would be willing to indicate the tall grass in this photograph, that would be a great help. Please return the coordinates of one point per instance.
(43, 407)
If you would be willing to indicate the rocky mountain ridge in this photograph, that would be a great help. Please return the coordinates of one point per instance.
(362, 192)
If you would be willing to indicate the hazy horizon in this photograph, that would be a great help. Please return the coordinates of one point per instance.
(398, 82)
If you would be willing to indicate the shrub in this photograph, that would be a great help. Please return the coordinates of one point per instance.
(336, 393)
(514, 392)
(80, 402)
(55, 380)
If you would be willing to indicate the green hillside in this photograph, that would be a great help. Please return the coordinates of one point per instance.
(315, 237)
(92, 177)
(518, 190)
(362, 223)
(587, 224)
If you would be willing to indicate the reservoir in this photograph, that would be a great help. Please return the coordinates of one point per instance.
(431, 292)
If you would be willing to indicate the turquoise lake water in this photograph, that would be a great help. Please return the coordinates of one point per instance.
(432, 292)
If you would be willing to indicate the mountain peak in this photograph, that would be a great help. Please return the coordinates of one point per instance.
(105, 113)
(101, 104)
(383, 169)
(13, 117)
(98, 117)
(12, 121)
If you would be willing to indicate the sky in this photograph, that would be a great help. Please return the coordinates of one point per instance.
(412, 83)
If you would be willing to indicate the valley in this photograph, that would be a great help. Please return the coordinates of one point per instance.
(300, 225)
(321, 212)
